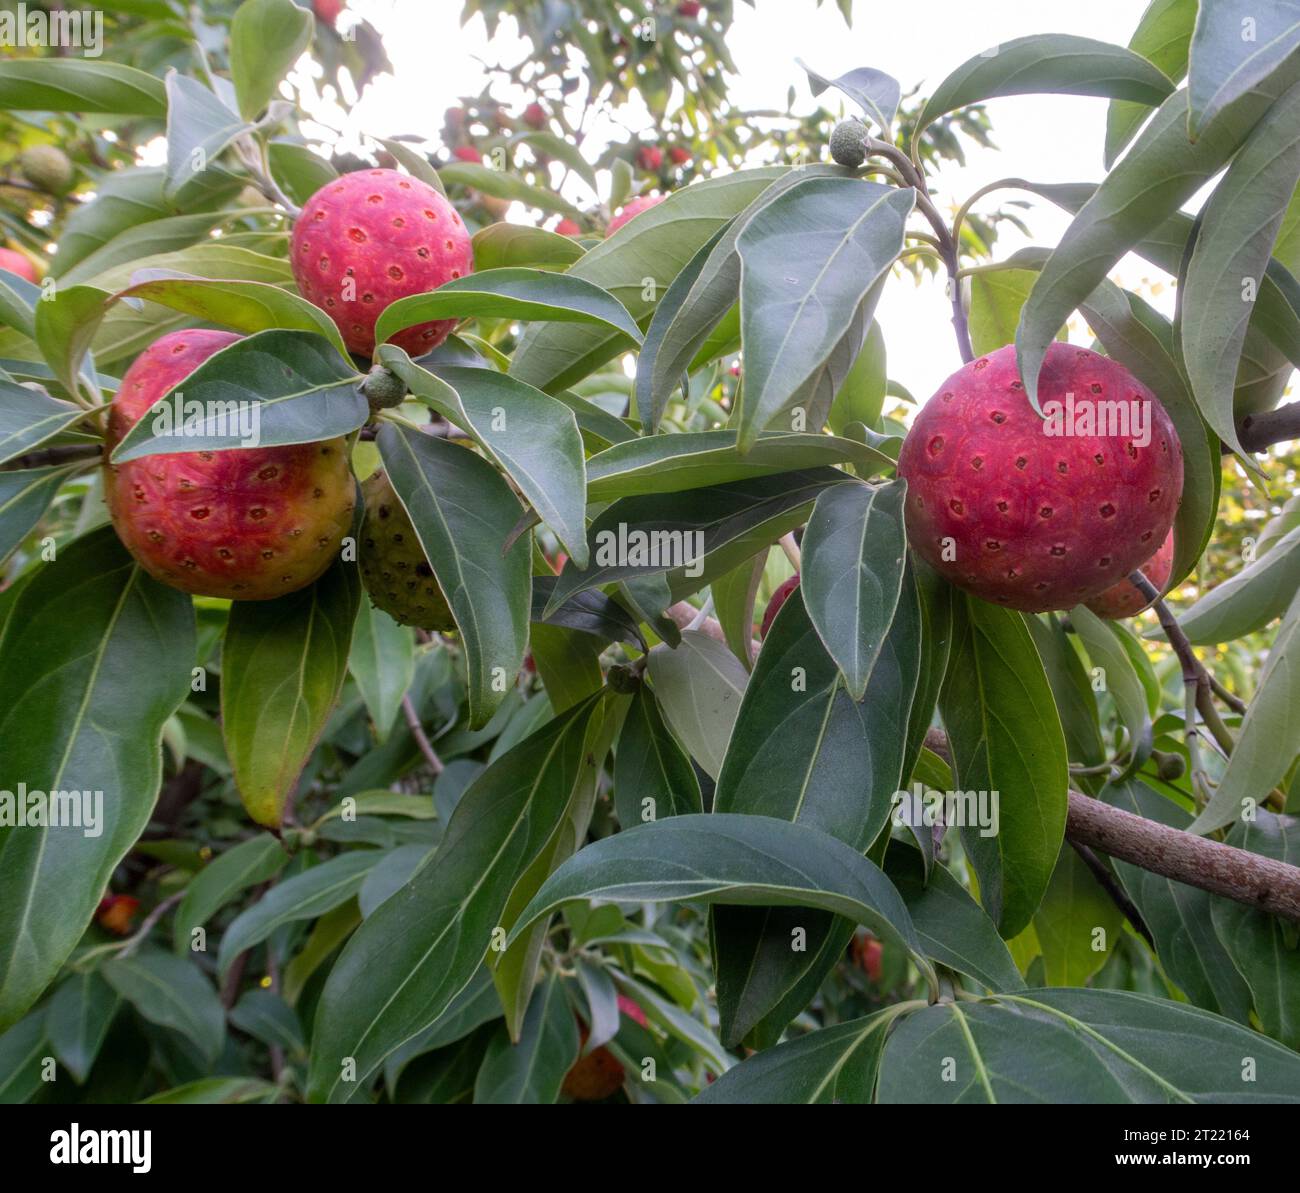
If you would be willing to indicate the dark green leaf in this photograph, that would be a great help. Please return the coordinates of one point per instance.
(1237, 44)
(235, 870)
(79, 85)
(172, 992)
(529, 1071)
(653, 777)
(266, 39)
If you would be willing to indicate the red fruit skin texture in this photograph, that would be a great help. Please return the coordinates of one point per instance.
(116, 913)
(650, 157)
(327, 10)
(15, 262)
(689, 8)
(1125, 599)
(778, 598)
(467, 153)
(249, 523)
(390, 236)
(632, 1010)
(567, 227)
(1023, 519)
(535, 116)
(632, 210)
(678, 156)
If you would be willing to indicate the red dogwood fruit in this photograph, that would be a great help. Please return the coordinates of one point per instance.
(15, 262)
(632, 209)
(1125, 599)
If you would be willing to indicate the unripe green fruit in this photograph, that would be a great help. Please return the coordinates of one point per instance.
(846, 143)
(394, 568)
(47, 168)
(622, 679)
(1170, 767)
(383, 389)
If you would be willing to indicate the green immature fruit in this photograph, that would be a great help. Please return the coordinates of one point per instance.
(47, 168)
(383, 389)
(394, 568)
(846, 143)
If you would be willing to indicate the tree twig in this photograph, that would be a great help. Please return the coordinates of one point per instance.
(421, 740)
(1258, 432)
(1115, 889)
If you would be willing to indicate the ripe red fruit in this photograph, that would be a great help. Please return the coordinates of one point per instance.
(867, 952)
(327, 10)
(632, 1010)
(567, 227)
(633, 209)
(688, 9)
(535, 116)
(779, 598)
(1125, 599)
(370, 238)
(249, 523)
(678, 156)
(116, 913)
(467, 153)
(15, 262)
(599, 1074)
(650, 157)
(1028, 519)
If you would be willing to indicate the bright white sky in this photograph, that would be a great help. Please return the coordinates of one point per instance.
(1043, 138)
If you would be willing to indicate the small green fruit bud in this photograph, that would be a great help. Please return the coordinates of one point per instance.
(622, 679)
(383, 389)
(847, 143)
(47, 168)
(1170, 767)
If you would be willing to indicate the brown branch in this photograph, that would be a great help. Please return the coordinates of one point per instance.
(1236, 874)
(68, 453)
(1258, 432)
(421, 740)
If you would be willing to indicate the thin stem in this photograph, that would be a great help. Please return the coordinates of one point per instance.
(964, 209)
(791, 549)
(421, 740)
(1111, 885)
(147, 925)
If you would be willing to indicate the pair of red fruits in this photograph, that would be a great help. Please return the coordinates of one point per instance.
(995, 503)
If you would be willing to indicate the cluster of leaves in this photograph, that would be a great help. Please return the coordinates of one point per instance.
(470, 857)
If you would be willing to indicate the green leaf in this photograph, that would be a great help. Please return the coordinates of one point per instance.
(1156, 177)
(463, 512)
(1267, 744)
(236, 869)
(65, 326)
(936, 600)
(1074, 918)
(474, 1006)
(18, 298)
(383, 664)
(298, 170)
(305, 392)
(733, 605)
(1179, 917)
(77, 1021)
(809, 259)
(953, 929)
(1105, 648)
(653, 776)
(550, 145)
(1143, 340)
(28, 417)
(532, 436)
(875, 92)
(1235, 47)
(530, 295)
(1055, 63)
(734, 520)
(305, 896)
(699, 686)
(245, 306)
(673, 463)
(633, 266)
(1006, 738)
(266, 39)
(1238, 227)
(102, 661)
(854, 550)
(836, 1065)
(409, 960)
(265, 1016)
(503, 246)
(79, 85)
(1250, 599)
(199, 128)
(742, 860)
(283, 663)
(506, 186)
(997, 296)
(1261, 946)
(1072, 691)
(171, 992)
(413, 162)
(861, 396)
(22, 1059)
(803, 750)
(530, 1071)
(1163, 37)
(217, 1091)
(1080, 1046)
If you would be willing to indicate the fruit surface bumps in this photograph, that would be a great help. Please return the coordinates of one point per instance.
(394, 568)
(632, 210)
(371, 237)
(1125, 599)
(249, 523)
(1025, 519)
